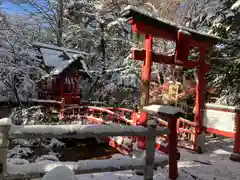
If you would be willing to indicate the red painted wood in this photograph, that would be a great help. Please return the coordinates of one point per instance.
(157, 58)
(183, 46)
(61, 84)
(146, 70)
(155, 32)
(200, 92)
(144, 87)
(236, 148)
(164, 34)
(172, 148)
(75, 92)
(219, 132)
(119, 147)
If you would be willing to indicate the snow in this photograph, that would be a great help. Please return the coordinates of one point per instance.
(5, 121)
(60, 173)
(168, 110)
(236, 5)
(47, 158)
(54, 143)
(18, 161)
(161, 174)
(52, 57)
(19, 152)
(77, 130)
(212, 165)
(114, 23)
(61, 66)
(128, 80)
(80, 167)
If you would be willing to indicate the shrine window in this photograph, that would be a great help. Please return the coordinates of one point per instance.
(69, 85)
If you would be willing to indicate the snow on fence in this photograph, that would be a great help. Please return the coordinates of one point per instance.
(36, 170)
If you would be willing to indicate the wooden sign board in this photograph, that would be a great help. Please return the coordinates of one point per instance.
(173, 89)
(219, 120)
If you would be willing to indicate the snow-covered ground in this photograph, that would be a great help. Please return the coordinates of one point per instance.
(212, 165)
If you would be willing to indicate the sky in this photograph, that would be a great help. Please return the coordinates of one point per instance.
(12, 8)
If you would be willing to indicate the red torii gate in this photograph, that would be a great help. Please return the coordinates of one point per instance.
(185, 40)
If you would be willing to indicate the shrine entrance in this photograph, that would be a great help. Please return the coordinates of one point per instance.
(190, 133)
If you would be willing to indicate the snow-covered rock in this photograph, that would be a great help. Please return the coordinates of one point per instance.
(47, 158)
(19, 152)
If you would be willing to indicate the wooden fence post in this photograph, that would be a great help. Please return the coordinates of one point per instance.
(150, 150)
(235, 156)
(172, 147)
(171, 114)
(5, 125)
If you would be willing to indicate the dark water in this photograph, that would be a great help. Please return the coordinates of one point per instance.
(74, 150)
(85, 149)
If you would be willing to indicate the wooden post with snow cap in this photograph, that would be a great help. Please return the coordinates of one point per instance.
(171, 114)
(235, 156)
(150, 150)
(5, 124)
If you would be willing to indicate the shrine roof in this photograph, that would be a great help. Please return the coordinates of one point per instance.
(53, 55)
(52, 58)
(60, 59)
(170, 27)
(75, 61)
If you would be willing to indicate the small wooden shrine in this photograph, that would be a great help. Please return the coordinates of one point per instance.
(66, 70)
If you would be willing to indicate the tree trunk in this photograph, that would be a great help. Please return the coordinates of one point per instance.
(15, 91)
(59, 32)
(103, 51)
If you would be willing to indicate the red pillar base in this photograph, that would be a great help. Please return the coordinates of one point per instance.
(235, 157)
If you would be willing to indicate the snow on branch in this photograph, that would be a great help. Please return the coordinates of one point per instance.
(117, 22)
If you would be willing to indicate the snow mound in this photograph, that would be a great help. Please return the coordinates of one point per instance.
(47, 158)
(5, 121)
(120, 156)
(21, 142)
(18, 161)
(60, 173)
(54, 143)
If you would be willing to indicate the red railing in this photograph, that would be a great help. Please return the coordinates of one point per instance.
(186, 134)
(123, 116)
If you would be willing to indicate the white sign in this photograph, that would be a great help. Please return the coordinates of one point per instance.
(223, 121)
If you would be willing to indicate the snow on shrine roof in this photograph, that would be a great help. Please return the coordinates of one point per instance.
(60, 59)
(65, 64)
(62, 66)
(53, 55)
(170, 27)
